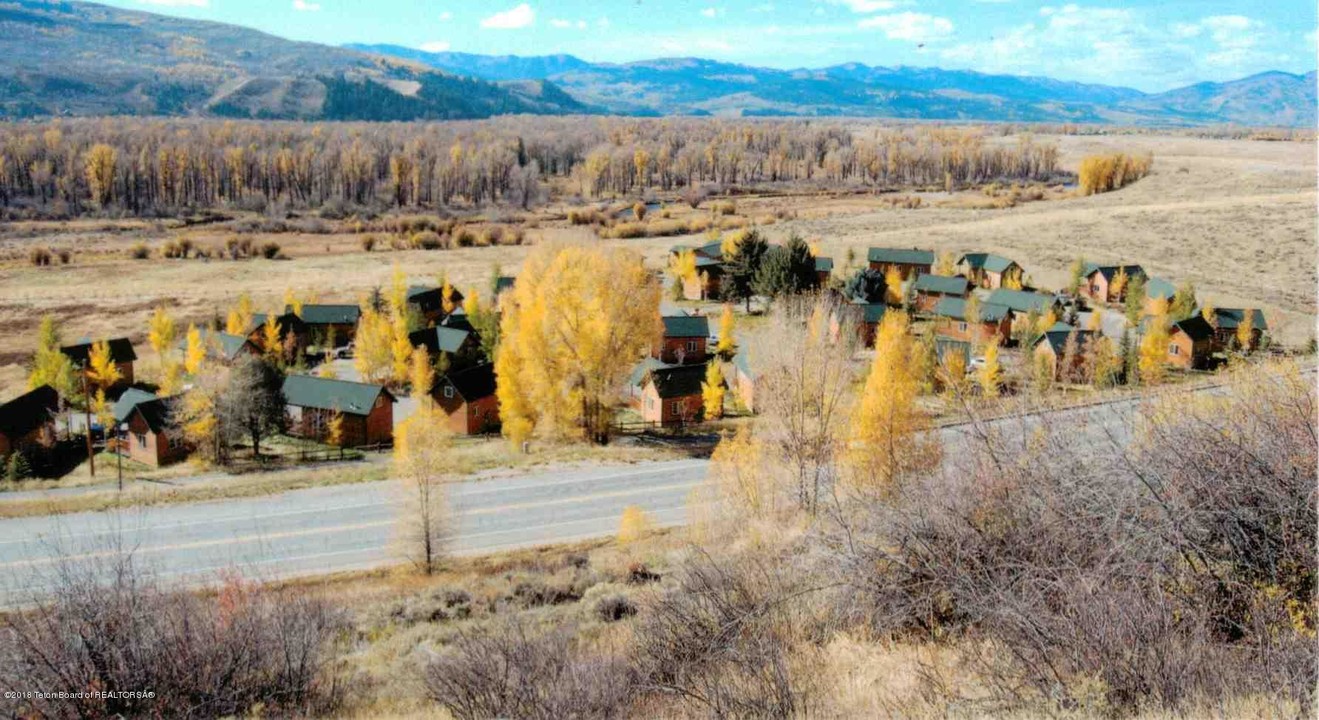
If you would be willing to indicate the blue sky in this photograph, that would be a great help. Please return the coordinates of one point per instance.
(1152, 45)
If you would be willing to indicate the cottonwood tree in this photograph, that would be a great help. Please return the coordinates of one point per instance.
(572, 328)
(990, 374)
(195, 353)
(252, 404)
(102, 371)
(712, 391)
(727, 346)
(423, 459)
(50, 366)
(1154, 346)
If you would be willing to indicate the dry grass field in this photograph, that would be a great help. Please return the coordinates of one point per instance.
(1235, 217)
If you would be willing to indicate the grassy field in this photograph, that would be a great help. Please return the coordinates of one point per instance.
(1235, 217)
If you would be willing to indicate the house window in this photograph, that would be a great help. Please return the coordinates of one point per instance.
(141, 440)
(448, 392)
(961, 327)
(677, 407)
(1173, 349)
(691, 346)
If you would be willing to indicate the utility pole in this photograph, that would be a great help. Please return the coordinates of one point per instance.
(119, 454)
(87, 404)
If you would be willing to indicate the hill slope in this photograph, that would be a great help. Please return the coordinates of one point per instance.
(695, 86)
(74, 58)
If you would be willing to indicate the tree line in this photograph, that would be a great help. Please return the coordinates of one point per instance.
(157, 167)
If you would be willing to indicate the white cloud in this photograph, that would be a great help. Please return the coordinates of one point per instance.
(304, 6)
(766, 8)
(711, 12)
(437, 46)
(602, 23)
(446, 16)
(177, 3)
(518, 17)
(866, 6)
(559, 23)
(915, 27)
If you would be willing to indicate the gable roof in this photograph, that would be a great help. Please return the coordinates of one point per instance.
(942, 285)
(157, 413)
(1230, 318)
(1021, 301)
(286, 322)
(986, 261)
(28, 411)
(229, 345)
(1108, 271)
(472, 384)
(824, 264)
(439, 338)
(900, 256)
(686, 326)
(350, 398)
(955, 308)
(328, 314)
(131, 398)
(1195, 327)
(1158, 288)
(678, 380)
(428, 298)
(1057, 336)
(121, 351)
(870, 313)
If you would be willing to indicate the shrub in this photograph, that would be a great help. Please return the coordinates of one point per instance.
(368, 243)
(270, 250)
(39, 256)
(464, 237)
(139, 251)
(639, 211)
(728, 207)
(694, 196)
(427, 240)
(613, 608)
(65, 256)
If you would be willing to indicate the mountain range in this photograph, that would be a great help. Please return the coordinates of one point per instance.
(77, 58)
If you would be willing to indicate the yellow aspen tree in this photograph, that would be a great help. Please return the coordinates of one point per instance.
(446, 297)
(726, 346)
(1119, 283)
(886, 424)
(1013, 281)
(682, 266)
(398, 293)
(1210, 314)
(1103, 363)
(990, 375)
(421, 376)
(577, 319)
(270, 340)
(100, 170)
(633, 525)
(400, 351)
(239, 320)
(738, 478)
(1047, 320)
(50, 366)
(472, 304)
(102, 371)
(1246, 331)
(1095, 323)
(946, 264)
(195, 354)
(712, 392)
(1153, 361)
(334, 435)
(327, 371)
(893, 285)
(161, 332)
(952, 374)
(373, 354)
(171, 377)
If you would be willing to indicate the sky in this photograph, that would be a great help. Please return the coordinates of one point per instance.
(1151, 45)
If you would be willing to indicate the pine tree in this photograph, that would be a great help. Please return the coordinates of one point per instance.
(741, 268)
(865, 285)
(712, 391)
(1135, 299)
(726, 347)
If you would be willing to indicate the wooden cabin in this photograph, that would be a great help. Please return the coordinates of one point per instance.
(121, 353)
(467, 398)
(28, 421)
(930, 289)
(991, 321)
(152, 438)
(1191, 344)
(367, 410)
(685, 340)
(989, 271)
(908, 262)
(672, 395)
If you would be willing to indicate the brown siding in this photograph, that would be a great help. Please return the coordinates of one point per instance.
(468, 418)
(150, 448)
(907, 270)
(43, 436)
(377, 428)
(1187, 354)
(975, 333)
(670, 349)
(663, 412)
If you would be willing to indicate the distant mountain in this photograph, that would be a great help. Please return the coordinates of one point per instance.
(76, 58)
(488, 67)
(1271, 98)
(693, 86)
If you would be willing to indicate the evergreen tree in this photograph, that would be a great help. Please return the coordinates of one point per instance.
(865, 285)
(742, 266)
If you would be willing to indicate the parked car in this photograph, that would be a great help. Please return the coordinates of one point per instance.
(343, 352)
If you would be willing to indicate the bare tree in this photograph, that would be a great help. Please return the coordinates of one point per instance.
(422, 458)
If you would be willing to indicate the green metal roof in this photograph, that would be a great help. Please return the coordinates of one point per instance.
(1021, 301)
(824, 264)
(987, 261)
(351, 398)
(1108, 271)
(1160, 288)
(901, 256)
(686, 326)
(228, 344)
(872, 313)
(328, 314)
(955, 308)
(1057, 336)
(942, 284)
(131, 398)
(1230, 318)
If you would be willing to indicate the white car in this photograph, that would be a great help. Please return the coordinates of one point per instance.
(975, 364)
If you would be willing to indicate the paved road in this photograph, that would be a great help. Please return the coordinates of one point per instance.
(345, 527)
(349, 527)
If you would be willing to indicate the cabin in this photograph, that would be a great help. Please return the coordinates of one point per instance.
(684, 341)
(330, 325)
(1051, 348)
(1227, 322)
(1191, 343)
(992, 321)
(1023, 302)
(152, 438)
(461, 347)
(467, 398)
(293, 333)
(225, 347)
(930, 289)
(428, 302)
(121, 353)
(908, 263)
(946, 348)
(824, 270)
(1098, 285)
(1158, 292)
(865, 316)
(28, 421)
(709, 281)
(744, 379)
(989, 271)
(367, 410)
(672, 395)
(131, 398)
